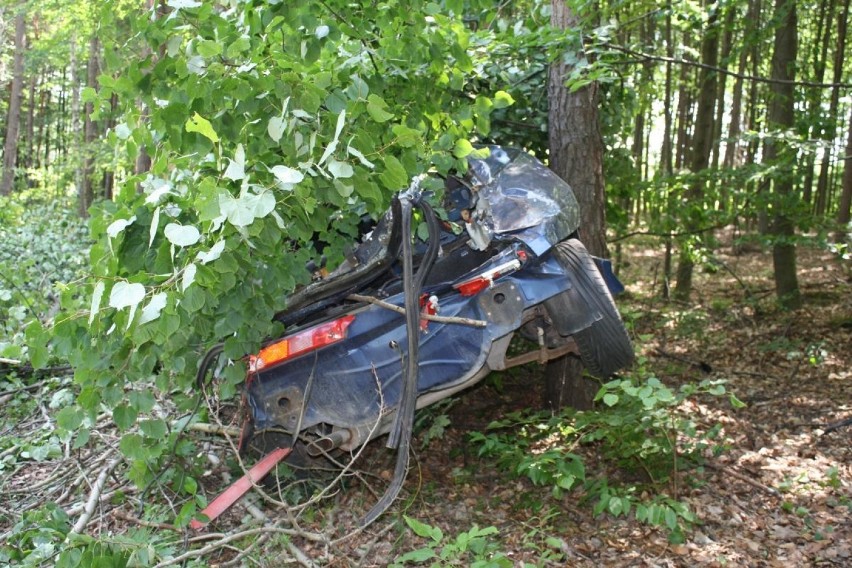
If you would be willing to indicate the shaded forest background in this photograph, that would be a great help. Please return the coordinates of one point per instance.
(153, 155)
(686, 97)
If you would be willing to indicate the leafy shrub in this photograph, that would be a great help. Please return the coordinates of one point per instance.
(641, 428)
(43, 246)
(470, 548)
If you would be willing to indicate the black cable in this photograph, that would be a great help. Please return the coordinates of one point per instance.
(400, 436)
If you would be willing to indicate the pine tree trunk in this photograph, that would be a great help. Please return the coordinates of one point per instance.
(10, 151)
(576, 153)
(780, 117)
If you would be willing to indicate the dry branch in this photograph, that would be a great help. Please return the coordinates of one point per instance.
(401, 310)
(218, 429)
(95, 496)
(227, 540)
(737, 475)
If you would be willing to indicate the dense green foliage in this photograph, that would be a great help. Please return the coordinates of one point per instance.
(272, 125)
(43, 252)
(268, 126)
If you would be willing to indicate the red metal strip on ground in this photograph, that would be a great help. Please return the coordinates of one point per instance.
(241, 486)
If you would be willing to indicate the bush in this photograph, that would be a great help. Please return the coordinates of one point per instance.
(641, 428)
(43, 246)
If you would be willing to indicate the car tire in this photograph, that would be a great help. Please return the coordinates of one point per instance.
(604, 345)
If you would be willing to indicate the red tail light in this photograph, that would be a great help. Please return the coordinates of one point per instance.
(301, 343)
(485, 280)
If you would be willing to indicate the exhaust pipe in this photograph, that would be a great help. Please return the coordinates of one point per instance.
(328, 443)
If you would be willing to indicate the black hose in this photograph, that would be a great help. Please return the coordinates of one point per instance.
(209, 359)
(400, 436)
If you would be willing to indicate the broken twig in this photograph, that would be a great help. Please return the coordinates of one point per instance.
(737, 475)
(401, 310)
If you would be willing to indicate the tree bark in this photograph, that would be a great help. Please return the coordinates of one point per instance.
(821, 202)
(684, 113)
(666, 159)
(75, 137)
(780, 117)
(815, 109)
(735, 128)
(724, 61)
(843, 209)
(10, 151)
(755, 105)
(29, 129)
(701, 146)
(576, 155)
(89, 133)
(43, 149)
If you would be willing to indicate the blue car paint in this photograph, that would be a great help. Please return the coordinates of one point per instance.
(355, 380)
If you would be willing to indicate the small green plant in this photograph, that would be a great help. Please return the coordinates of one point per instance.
(471, 548)
(640, 428)
(433, 421)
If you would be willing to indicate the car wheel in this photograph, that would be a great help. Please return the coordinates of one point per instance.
(604, 345)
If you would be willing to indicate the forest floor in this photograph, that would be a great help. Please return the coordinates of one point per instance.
(780, 494)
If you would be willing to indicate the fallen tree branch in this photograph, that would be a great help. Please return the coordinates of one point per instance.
(701, 365)
(401, 310)
(226, 540)
(300, 556)
(218, 429)
(664, 235)
(837, 426)
(737, 475)
(95, 496)
(119, 514)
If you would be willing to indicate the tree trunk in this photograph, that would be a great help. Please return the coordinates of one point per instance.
(75, 138)
(780, 117)
(43, 131)
(755, 104)
(61, 117)
(735, 128)
(701, 146)
(666, 161)
(684, 113)
(815, 109)
(29, 130)
(89, 132)
(10, 151)
(821, 202)
(576, 154)
(725, 55)
(843, 209)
